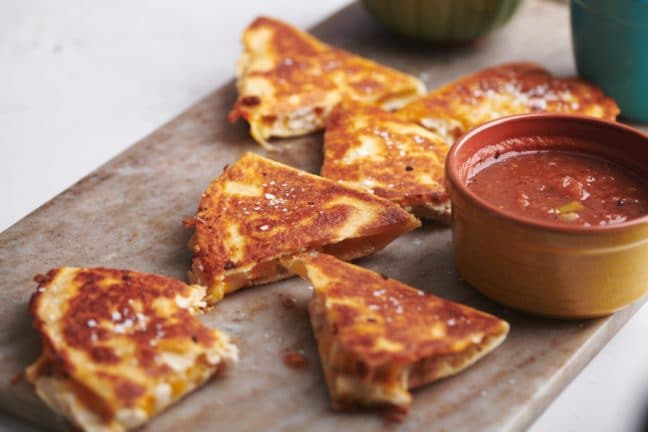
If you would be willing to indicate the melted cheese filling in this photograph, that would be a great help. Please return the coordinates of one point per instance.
(272, 270)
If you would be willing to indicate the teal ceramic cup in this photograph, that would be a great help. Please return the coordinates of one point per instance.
(610, 39)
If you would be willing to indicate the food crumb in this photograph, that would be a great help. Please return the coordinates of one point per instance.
(393, 414)
(17, 378)
(294, 358)
(287, 301)
(40, 278)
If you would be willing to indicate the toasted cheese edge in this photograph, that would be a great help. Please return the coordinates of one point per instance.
(348, 390)
(306, 120)
(59, 389)
(346, 249)
(420, 205)
(451, 128)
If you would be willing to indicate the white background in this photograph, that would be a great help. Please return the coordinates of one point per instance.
(82, 80)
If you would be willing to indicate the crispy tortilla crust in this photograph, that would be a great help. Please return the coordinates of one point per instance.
(378, 337)
(507, 89)
(288, 81)
(120, 346)
(369, 148)
(259, 211)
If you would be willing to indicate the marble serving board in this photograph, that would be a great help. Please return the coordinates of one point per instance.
(128, 213)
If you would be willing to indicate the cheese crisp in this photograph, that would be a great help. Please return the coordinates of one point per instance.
(259, 211)
(515, 88)
(288, 81)
(378, 337)
(120, 346)
(396, 159)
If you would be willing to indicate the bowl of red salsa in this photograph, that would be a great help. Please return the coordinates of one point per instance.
(550, 213)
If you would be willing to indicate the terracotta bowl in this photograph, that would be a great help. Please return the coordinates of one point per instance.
(543, 267)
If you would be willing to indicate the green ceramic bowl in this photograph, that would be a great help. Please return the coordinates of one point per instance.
(442, 20)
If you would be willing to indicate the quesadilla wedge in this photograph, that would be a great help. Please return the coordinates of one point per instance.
(378, 337)
(288, 81)
(259, 211)
(397, 159)
(120, 346)
(507, 89)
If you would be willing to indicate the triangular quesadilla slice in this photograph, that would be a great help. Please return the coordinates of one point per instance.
(507, 89)
(378, 337)
(259, 211)
(120, 346)
(288, 81)
(367, 147)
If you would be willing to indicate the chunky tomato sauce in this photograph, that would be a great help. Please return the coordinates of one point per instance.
(565, 187)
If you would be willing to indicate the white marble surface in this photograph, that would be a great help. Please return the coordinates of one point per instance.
(82, 80)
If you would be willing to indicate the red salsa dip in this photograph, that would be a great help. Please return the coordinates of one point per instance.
(569, 188)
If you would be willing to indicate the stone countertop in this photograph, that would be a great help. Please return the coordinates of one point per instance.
(82, 80)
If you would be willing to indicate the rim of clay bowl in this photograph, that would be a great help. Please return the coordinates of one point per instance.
(454, 177)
